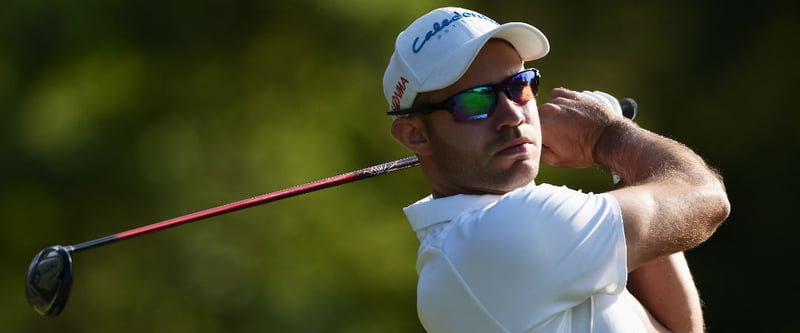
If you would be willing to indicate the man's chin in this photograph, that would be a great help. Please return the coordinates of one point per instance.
(521, 174)
(528, 166)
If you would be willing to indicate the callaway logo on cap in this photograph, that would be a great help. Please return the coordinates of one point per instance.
(436, 50)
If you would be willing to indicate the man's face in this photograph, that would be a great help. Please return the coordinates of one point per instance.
(493, 155)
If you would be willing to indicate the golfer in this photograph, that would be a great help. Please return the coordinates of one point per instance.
(498, 251)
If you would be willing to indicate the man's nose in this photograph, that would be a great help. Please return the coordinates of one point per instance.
(509, 113)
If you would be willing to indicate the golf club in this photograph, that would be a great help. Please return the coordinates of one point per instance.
(49, 277)
(50, 272)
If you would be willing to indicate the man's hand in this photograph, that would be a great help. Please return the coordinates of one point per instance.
(571, 125)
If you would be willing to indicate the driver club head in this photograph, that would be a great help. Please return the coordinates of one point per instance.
(49, 280)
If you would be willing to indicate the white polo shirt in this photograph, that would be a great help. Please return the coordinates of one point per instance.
(538, 259)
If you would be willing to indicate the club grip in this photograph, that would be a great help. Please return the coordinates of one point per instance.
(629, 108)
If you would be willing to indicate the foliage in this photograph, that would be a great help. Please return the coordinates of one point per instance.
(119, 114)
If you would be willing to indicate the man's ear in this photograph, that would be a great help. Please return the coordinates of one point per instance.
(413, 133)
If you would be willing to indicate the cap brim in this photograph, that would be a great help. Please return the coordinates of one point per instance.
(530, 43)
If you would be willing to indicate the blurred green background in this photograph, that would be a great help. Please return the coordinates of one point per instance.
(117, 114)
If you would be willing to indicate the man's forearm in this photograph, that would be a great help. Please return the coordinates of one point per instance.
(639, 155)
(664, 286)
(670, 198)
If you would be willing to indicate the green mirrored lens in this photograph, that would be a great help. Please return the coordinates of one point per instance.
(474, 104)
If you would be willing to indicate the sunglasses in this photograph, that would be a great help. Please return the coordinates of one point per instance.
(480, 102)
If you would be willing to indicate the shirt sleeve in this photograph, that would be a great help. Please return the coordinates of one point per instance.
(540, 250)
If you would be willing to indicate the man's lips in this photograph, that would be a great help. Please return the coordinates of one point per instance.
(516, 146)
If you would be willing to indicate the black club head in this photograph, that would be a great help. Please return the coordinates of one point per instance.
(49, 280)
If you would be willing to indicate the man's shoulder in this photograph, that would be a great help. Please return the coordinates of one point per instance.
(551, 202)
(545, 191)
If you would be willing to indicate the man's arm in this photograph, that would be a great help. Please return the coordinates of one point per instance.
(670, 199)
(664, 286)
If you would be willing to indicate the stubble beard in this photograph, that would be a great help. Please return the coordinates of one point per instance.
(476, 176)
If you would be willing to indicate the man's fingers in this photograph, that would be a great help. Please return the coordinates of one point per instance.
(551, 158)
(564, 93)
(567, 129)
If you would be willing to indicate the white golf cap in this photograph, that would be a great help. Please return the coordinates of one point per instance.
(437, 48)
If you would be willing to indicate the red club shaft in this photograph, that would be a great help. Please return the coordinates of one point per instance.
(349, 177)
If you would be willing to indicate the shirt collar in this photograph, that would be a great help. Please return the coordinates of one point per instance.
(428, 211)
